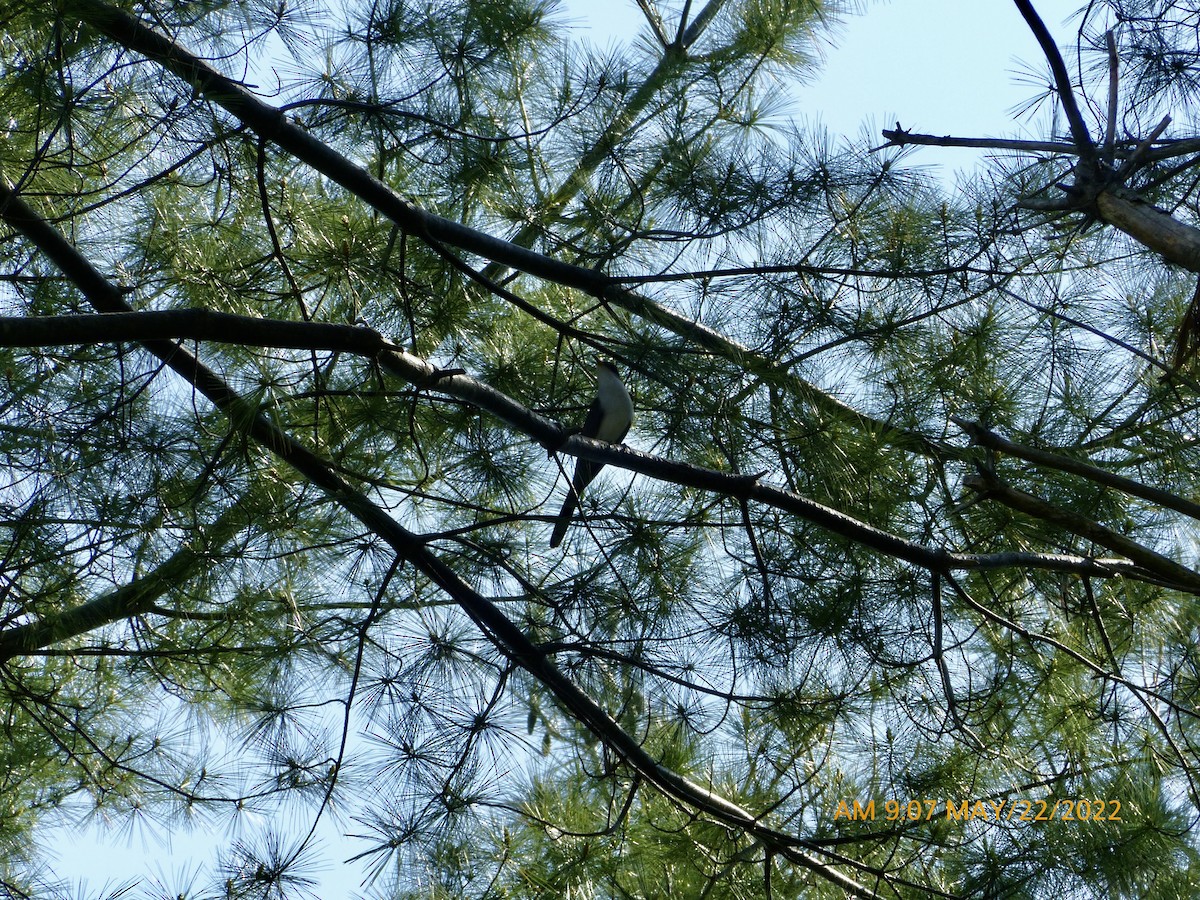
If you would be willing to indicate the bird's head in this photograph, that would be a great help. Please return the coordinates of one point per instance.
(604, 364)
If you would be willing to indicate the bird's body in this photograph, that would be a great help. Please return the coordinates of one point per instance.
(608, 419)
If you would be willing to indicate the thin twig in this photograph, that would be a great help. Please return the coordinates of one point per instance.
(1110, 136)
(1140, 151)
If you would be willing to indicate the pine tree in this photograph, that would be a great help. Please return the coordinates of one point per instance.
(891, 594)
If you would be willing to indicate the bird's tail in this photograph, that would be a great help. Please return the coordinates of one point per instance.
(563, 522)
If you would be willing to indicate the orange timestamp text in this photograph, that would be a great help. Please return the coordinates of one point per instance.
(1019, 810)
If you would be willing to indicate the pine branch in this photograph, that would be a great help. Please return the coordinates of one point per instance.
(501, 631)
(228, 328)
(992, 487)
(136, 598)
(987, 438)
(273, 125)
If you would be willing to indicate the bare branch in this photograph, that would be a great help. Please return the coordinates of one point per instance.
(1141, 150)
(898, 137)
(1110, 135)
(1062, 81)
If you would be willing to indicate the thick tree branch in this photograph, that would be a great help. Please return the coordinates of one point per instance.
(285, 133)
(1098, 191)
(752, 488)
(1150, 226)
(190, 324)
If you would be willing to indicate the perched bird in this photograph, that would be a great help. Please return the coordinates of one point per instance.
(608, 419)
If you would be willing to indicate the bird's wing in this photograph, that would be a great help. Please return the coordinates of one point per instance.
(595, 416)
(585, 472)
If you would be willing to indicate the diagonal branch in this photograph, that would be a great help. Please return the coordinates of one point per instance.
(988, 438)
(992, 487)
(1062, 82)
(136, 598)
(1150, 226)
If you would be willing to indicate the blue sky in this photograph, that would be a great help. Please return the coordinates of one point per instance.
(940, 66)
(937, 66)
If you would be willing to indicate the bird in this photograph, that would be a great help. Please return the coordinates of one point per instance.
(608, 419)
